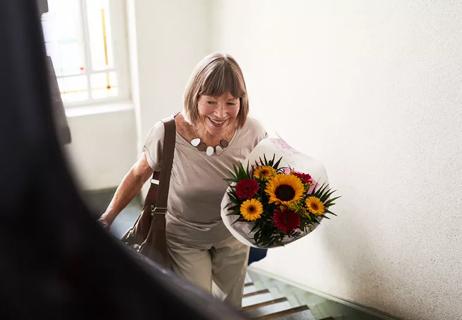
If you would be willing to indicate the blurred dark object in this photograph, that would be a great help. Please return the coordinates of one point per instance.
(62, 127)
(56, 262)
(256, 254)
(42, 6)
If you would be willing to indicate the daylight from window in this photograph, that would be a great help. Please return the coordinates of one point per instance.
(79, 39)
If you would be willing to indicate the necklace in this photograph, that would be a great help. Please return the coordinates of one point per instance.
(209, 150)
(199, 144)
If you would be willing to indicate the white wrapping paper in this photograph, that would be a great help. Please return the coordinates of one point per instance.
(290, 158)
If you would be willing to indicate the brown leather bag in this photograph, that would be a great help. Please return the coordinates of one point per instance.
(147, 236)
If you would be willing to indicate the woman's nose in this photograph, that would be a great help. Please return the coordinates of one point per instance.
(220, 110)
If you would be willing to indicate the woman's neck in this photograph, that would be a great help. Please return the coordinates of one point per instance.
(190, 131)
(213, 139)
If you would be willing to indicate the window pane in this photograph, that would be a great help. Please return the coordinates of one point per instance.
(63, 36)
(104, 85)
(99, 26)
(73, 89)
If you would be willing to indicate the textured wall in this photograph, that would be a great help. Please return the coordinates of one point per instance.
(379, 84)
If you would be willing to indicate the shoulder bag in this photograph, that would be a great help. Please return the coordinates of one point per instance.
(147, 236)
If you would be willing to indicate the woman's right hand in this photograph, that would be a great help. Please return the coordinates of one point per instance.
(129, 187)
(104, 221)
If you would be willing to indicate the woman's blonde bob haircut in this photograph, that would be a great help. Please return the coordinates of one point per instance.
(215, 75)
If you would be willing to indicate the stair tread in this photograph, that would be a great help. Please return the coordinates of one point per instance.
(283, 313)
(263, 304)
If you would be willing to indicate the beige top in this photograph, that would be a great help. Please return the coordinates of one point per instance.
(197, 182)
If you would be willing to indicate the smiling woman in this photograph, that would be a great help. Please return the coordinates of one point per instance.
(213, 135)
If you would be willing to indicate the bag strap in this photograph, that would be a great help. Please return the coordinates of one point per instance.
(166, 163)
(158, 204)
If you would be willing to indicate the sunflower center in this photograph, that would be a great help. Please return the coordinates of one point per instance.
(251, 209)
(284, 192)
(314, 206)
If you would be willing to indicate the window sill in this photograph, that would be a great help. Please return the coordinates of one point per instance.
(97, 109)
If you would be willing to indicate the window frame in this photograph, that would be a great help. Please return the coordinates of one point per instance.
(118, 26)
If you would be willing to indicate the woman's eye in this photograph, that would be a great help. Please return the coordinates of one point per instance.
(231, 103)
(211, 102)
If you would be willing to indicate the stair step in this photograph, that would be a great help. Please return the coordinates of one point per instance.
(291, 313)
(250, 289)
(247, 284)
(247, 278)
(257, 298)
(263, 304)
(266, 308)
(254, 293)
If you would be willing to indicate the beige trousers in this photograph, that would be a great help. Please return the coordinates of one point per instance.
(224, 263)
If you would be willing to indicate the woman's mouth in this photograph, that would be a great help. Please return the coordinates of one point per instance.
(217, 123)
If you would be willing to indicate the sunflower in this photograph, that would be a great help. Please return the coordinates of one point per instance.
(284, 189)
(264, 172)
(315, 206)
(251, 209)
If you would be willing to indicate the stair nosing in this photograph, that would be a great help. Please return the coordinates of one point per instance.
(254, 293)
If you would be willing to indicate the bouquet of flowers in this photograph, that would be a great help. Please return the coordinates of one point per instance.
(268, 205)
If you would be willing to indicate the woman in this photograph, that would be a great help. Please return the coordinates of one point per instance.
(213, 134)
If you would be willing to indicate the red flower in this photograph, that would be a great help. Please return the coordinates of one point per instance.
(286, 220)
(305, 177)
(246, 188)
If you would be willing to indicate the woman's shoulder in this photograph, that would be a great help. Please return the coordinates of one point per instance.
(153, 144)
(253, 127)
(157, 131)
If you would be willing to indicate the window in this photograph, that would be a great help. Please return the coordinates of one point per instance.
(86, 42)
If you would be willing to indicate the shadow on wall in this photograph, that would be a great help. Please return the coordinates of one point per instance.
(55, 260)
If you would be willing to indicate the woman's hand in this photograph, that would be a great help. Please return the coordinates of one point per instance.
(104, 221)
(129, 187)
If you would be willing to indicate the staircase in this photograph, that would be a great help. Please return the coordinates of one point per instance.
(268, 298)
(267, 303)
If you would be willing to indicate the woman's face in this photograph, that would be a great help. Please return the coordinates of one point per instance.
(218, 114)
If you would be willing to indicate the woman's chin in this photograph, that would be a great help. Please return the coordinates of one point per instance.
(216, 130)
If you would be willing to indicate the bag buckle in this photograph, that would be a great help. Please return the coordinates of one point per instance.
(157, 210)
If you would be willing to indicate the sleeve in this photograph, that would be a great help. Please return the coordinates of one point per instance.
(258, 132)
(153, 145)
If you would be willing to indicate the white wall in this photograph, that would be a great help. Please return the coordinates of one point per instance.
(167, 39)
(373, 90)
(103, 147)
